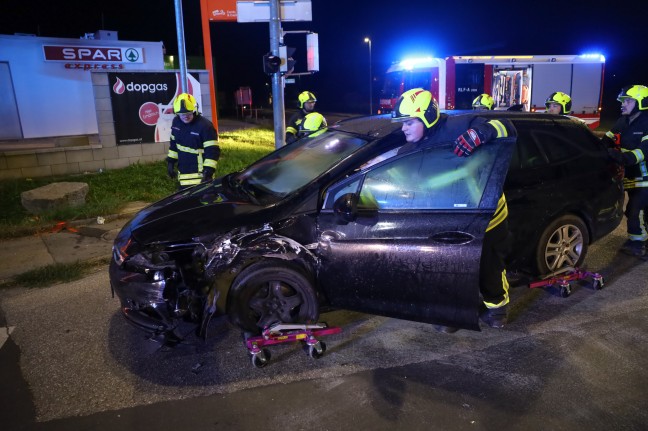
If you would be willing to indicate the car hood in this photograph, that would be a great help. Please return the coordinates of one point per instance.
(204, 209)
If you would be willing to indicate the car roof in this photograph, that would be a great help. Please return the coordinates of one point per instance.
(378, 126)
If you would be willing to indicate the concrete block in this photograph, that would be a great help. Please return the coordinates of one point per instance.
(103, 103)
(55, 195)
(105, 117)
(107, 128)
(127, 151)
(154, 148)
(93, 140)
(105, 153)
(92, 166)
(37, 171)
(73, 156)
(101, 92)
(116, 164)
(108, 140)
(21, 161)
(51, 158)
(65, 169)
(99, 78)
(8, 174)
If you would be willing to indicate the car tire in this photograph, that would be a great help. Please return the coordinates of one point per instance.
(270, 292)
(563, 244)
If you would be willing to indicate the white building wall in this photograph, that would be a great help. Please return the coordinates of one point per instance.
(53, 100)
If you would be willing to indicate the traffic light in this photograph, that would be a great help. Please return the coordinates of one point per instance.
(312, 52)
(271, 63)
(287, 61)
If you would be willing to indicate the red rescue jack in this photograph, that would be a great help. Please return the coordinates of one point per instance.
(280, 333)
(563, 281)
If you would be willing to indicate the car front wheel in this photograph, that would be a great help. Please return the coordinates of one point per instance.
(271, 292)
(562, 245)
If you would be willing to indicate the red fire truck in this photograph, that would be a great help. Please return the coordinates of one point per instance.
(518, 82)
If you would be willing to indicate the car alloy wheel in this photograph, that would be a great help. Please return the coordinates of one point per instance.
(562, 245)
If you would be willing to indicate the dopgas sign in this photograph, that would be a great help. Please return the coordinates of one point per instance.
(93, 57)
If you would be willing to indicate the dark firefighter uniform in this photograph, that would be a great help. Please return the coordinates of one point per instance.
(194, 146)
(633, 143)
(493, 283)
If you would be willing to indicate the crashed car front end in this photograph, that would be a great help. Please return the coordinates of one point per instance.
(162, 283)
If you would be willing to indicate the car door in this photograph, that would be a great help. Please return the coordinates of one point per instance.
(403, 238)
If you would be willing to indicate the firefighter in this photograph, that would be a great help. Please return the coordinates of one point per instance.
(558, 103)
(483, 102)
(628, 140)
(306, 105)
(423, 125)
(194, 144)
(314, 124)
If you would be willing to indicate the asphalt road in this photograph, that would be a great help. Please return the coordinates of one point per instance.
(72, 363)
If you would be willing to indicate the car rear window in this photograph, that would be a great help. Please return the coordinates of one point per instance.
(550, 142)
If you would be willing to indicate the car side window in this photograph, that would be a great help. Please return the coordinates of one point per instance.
(527, 154)
(433, 178)
(556, 143)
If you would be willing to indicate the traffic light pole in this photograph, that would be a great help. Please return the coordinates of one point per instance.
(182, 54)
(278, 109)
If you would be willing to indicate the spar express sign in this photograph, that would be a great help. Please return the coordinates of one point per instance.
(93, 57)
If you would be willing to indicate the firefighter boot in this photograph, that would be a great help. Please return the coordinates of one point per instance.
(496, 317)
(634, 248)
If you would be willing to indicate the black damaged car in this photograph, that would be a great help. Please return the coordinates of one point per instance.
(320, 222)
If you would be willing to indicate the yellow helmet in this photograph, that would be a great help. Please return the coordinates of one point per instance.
(185, 103)
(483, 101)
(314, 124)
(305, 96)
(636, 92)
(560, 98)
(417, 103)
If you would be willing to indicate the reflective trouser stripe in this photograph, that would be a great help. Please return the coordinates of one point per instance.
(210, 163)
(633, 183)
(505, 286)
(500, 213)
(190, 179)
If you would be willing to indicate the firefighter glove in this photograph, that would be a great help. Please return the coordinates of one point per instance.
(208, 174)
(171, 170)
(467, 142)
(612, 140)
(615, 155)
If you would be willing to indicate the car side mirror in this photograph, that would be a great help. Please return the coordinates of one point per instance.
(346, 208)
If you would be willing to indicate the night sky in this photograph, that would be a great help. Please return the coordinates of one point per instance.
(617, 29)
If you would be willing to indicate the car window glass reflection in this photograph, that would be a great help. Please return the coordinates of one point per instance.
(432, 179)
(295, 165)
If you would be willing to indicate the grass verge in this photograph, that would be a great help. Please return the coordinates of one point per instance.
(111, 190)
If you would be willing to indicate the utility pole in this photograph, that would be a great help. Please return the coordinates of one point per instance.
(182, 54)
(278, 108)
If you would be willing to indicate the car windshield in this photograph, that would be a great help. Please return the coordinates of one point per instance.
(295, 165)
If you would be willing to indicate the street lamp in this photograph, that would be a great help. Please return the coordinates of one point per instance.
(367, 40)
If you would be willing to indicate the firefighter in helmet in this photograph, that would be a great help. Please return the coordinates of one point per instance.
(306, 105)
(483, 102)
(558, 103)
(423, 125)
(628, 141)
(194, 144)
